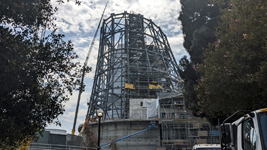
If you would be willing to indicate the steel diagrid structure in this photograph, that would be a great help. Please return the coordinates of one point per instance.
(135, 61)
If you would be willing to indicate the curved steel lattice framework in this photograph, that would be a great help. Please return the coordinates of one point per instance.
(135, 61)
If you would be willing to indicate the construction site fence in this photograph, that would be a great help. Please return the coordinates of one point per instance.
(38, 146)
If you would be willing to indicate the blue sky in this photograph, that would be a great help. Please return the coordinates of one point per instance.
(79, 24)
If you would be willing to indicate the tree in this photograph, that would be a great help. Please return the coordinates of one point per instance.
(233, 75)
(199, 21)
(90, 136)
(37, 70)
(113, 145)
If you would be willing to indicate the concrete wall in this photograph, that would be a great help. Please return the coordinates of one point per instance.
(148, 140)
(136, 110)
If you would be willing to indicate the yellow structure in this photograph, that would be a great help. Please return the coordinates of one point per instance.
(129, 86)
(153, 86)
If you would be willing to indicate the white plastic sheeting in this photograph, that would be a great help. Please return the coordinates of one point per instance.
(152, 106)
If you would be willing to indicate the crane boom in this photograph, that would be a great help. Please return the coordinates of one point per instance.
(92, 44)
(83, 71)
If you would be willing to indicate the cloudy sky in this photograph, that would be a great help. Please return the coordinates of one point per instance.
(79, 24)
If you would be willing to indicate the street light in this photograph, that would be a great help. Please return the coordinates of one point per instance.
(99, 113)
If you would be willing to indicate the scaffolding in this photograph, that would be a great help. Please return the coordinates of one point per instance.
(181, 130)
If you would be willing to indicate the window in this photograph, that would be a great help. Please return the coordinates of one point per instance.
(263, 128)
(248, 135)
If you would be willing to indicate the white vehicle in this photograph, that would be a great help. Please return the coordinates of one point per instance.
(246, 133)
(206, 147)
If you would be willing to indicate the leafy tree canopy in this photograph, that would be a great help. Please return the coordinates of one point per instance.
(199, 21)
(37, 72)
(233, 75)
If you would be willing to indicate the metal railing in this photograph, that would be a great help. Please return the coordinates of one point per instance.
(41, 146)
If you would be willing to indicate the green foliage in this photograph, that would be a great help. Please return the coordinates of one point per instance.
(189, 77)
(199, 20)
(233, 75)
(37, 70)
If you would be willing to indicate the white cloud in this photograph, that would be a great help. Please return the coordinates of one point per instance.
(176, 40)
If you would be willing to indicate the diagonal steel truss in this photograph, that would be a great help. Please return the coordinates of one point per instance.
(135, 61)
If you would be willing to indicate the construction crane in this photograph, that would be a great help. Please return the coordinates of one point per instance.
(84, 69)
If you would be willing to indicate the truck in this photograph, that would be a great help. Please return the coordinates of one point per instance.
(248, 132)
(206, 147)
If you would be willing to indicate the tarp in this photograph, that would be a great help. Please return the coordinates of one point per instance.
(152, 106)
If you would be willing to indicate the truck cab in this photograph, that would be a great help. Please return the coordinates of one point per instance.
(249, 132)
(206, 147)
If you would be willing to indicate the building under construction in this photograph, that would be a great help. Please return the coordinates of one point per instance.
(138, 87)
